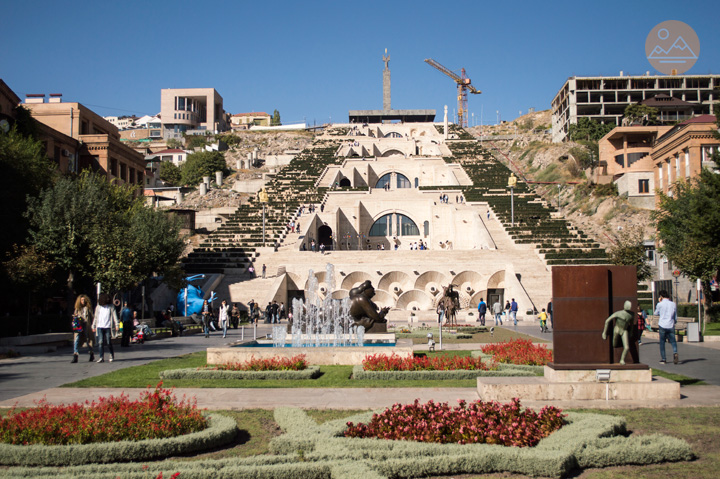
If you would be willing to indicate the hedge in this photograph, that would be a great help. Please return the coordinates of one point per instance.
(536, 370)
(311, 372)
(360, 373)
(221, 430)
(311, 450)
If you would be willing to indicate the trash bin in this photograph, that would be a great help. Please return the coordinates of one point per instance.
(693, 332)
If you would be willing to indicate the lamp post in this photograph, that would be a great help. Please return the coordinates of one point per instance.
(512, 181)
(263, 196)
(676, 274)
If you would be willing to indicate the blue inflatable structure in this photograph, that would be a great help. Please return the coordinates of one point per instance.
(190, 298)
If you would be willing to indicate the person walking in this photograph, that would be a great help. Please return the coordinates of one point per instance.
(506, 311)
(667, 311)
(497, 311)
(83, 317)
(105, 320)
(224, 317)
(482, 311)
(235, 316)
(126, 319)
(264, 271)
(513, 311)
(641, 318)
(440, 312)
(275, 312)
(550, 314)
(205, 313)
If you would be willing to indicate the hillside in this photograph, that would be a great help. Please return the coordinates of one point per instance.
(532, 155)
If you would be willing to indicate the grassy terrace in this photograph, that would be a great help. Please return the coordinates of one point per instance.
(234, 244)
(557, 240)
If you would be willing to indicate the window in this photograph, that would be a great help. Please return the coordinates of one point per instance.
(381, 226)
(643, 186)
(687, 164)
(123, 175)
(403, 181)
(384, 180)
(406, 226)
(113, 167)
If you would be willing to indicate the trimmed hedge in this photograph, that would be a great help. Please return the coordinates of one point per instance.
(311, 372)
(315, 451)
(536, 370)
(222, 430)
(360, 373)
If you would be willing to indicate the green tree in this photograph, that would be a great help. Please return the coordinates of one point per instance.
(26, 170)
(637, 114)
(203, 163)
(629, 250)
(589, 130)
(97, 231)
(174, 143)
(275, 121)
(688, 224)
(170, 173)
(196, 141)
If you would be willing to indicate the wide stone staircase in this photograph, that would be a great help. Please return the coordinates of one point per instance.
(234, 246)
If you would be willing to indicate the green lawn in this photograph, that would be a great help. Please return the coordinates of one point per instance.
(712, 329)
(419, 336)
(332, 377)
(683, 380)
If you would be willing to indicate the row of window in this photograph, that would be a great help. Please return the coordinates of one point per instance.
(403, 226)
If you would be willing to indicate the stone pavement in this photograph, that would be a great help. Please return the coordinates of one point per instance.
(27, 379)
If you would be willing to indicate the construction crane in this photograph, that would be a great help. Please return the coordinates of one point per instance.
(463, 85)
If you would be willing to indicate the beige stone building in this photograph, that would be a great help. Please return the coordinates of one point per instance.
(100, 148)
(185, 109)
(683, 151)
(243, 121)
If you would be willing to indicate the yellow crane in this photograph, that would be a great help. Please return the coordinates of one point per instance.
(463, 85)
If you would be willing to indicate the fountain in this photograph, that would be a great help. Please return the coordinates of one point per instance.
(325, 330)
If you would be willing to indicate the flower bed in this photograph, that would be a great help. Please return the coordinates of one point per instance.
(393, 362)
(311, 372)
(475, 423)
(519, 351)
(295, 363)
(156, 415)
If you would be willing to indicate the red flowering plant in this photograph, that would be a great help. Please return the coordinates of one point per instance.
(157, 414)
(295, 363)
(393, 362)
(474, 423)
(519, 351)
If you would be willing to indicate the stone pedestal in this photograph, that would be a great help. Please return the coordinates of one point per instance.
(579, 384)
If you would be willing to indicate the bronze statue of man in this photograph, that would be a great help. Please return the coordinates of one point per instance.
(623, 321)
(362, 309)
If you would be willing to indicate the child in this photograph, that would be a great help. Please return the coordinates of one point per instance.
(543, 321)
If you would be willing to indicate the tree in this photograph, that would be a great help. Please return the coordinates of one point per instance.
(688, 224)
(587, 129)
(203, 163)
(637, 114)
(169, 173)
(174, 143)
(629, 250)
(196, 141)
(97, 231)
(26, 170)
(275, 119)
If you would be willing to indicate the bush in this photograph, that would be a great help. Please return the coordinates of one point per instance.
(475, 423)
(295, 363)
(393, 362)
(310, 372)
(519, 351)
(502, 371)
(156, 415)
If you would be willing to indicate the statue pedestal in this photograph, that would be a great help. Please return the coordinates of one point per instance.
(630, 382)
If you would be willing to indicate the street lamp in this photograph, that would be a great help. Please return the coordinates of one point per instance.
(512, 181)
(676, 273)
(263, 197)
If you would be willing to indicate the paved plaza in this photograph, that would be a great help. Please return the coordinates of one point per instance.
(27, 379)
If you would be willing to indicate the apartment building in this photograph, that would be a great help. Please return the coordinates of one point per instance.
(99, 145)
(604, 99)
(684, 150)
(186, 109)
(243, 121)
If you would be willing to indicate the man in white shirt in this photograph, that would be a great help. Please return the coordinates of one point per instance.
(667, 311)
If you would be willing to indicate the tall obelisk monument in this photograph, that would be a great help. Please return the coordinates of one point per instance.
(386, 82)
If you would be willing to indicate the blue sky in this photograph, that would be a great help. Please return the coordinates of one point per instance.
(314, 61)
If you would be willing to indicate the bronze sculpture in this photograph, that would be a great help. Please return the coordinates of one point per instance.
(623, 321)
(363, 310)
(451, 302)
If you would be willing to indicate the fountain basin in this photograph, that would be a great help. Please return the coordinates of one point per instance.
(323, 355)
